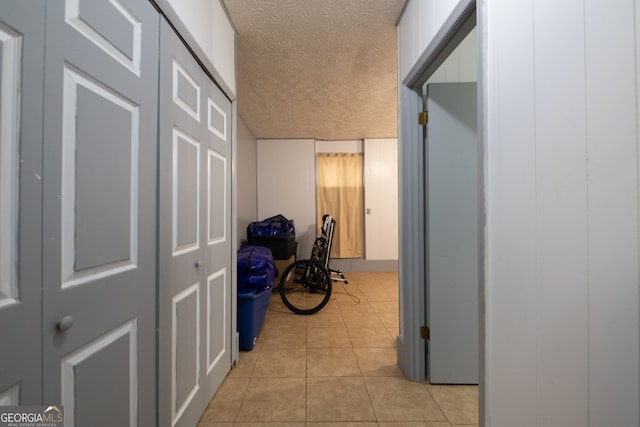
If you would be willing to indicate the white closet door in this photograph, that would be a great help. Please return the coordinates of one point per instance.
(21, 74)
(195, 231)
(99, 217)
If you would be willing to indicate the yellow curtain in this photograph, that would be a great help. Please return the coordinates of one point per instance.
(340, 194)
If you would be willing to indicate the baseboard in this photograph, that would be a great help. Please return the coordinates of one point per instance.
(364, 265)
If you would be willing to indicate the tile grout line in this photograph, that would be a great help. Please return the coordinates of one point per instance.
(437, 404)
(340, 310)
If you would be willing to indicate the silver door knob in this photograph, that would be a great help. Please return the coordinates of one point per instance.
(199, 263)
(65, 323)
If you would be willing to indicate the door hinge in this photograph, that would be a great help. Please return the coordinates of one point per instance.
(425, 333)
(423, 118)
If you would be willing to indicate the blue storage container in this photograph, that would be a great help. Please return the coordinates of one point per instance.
(252, 311)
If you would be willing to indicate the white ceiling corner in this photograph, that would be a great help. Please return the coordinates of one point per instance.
(322, 69)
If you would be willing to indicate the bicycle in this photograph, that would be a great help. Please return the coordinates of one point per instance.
(306, 285)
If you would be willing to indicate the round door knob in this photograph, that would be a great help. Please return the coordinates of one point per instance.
(199, 263)
(65, 323)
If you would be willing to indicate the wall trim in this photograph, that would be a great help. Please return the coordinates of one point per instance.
(411, 219)
(364, 265)
(481, 20)
(235, 340)
(459, 23)
(178, 26)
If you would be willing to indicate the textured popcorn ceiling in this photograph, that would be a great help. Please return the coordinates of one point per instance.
(323, 69)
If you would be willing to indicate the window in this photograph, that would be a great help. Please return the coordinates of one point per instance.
(340, 194)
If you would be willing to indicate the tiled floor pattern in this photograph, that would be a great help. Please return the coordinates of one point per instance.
(337, 367)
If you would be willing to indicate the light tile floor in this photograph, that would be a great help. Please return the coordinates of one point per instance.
(336, 368)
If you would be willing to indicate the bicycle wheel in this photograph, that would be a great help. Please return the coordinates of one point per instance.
(305, 286)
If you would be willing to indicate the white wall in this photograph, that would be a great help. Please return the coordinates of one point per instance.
(420, 21)
(561, 133)
(207, 22)
(247, 190)
(381, 198)
(286, 185)
(462, 64)
(562, 188)
(345, 146)
(380, 182)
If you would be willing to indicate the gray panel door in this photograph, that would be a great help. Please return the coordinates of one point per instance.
(452, 253)
(99, 216)
(21, 74)
(194, 241)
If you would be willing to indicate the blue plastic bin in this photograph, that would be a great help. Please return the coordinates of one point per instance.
(252, 310)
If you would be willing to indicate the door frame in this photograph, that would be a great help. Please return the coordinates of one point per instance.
(412, 198)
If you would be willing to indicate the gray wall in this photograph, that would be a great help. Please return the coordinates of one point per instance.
(559, 84)
(247, 181)
(563, 305)
(286, 185)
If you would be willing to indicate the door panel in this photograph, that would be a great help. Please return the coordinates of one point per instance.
(21, 88)
(195, 220)
(452, 287)
(217, 120)
(217, 181)
(99, 158)
(186, 91)
(110, 359)
(99, 217)
(104, 153)
(186, 349)
(186, 193)
(216, 232)
(217, 314)
(114, 27)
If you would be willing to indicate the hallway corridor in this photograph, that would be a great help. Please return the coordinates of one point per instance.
(335, 368)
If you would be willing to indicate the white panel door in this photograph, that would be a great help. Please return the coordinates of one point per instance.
(195, 235)
(452, 224)
(99, 216)
(21, 74)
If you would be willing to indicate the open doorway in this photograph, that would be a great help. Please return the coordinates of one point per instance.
(452, 218)
(451, 255)
(413, 197)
